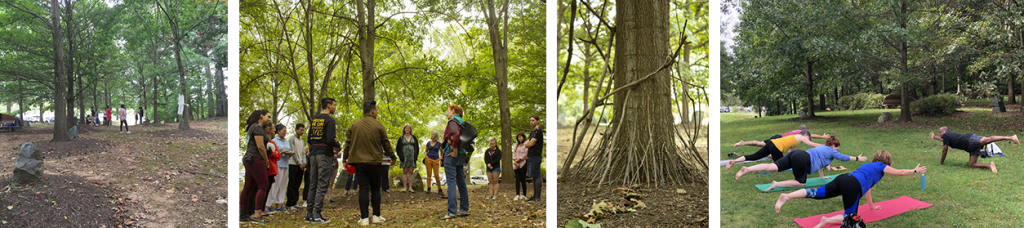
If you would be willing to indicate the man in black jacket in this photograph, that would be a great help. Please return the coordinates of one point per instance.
(321, 159)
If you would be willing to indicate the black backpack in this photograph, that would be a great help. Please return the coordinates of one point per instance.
(467, 133)
(853, 221)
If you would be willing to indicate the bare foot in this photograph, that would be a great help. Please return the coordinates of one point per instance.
(738, 144)
(778, 203)
(743, 170)
(992, 166)
(824, 221)
(770, 187)
(729, 165)
(1015, 140)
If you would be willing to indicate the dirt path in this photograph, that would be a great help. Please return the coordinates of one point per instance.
(156, 176)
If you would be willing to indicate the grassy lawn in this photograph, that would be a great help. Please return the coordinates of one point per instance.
(962, 196)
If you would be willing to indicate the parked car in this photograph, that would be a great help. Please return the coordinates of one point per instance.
(48, 120)
(477, 180)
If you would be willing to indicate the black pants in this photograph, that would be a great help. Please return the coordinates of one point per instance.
(124, 123)
(306, 181)
(799, 161)
(295, 177)
(369, 188)
(384, 180)
(845, 185)
(768, 149)
(520, 180)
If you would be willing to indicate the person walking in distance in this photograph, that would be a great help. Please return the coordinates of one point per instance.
(534, 156)
(106, 121)
(296, 167)
(365, 147)
(123, 116)
(321, 160)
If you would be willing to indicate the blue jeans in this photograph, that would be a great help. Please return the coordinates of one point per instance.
(351, 183)
(455, 173)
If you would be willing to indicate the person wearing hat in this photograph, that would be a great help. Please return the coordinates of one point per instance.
(365, 147)
(276, 197)
(322, 142)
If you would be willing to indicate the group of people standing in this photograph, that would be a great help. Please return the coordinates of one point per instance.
(366, 153)
(122, 116)
(851, 186)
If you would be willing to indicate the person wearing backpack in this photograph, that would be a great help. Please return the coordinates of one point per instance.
(453, 150)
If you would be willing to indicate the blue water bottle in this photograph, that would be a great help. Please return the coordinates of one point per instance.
(922, 182)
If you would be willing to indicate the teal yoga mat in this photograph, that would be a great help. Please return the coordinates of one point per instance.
(811, 182)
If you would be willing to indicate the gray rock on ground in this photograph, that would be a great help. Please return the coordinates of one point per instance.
(885, 117)
(73, 132)
(29, 167)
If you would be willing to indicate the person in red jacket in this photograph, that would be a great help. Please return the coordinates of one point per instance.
(274, 155)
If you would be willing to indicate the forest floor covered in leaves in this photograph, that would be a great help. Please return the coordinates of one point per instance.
(157, 176)
(666, 206)
(421, 209)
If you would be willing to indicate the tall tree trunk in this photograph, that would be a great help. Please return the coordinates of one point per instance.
(810, 88)
(71, 74)
(644, 140)
(222, 96)
(498, 34)
(367, 35)
(1009, 86)
(905, 95)
(60, 126)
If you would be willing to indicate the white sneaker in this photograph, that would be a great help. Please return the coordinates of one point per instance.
(515, 198)
(364, 222)
(122, 132)
(129, 132)
(378, 219)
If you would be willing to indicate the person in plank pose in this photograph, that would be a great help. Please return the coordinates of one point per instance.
(851, 186)
(801, 130)
(775, 147)
(803, 163)
(969, 142)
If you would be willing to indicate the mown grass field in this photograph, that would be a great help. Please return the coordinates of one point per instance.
(962, 196)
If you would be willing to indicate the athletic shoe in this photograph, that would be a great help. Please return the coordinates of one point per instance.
(364, 222)
(309, 217)
(281, 209)
(261, 219)
(129, 132)
(377, 219)
(122, 132)
(319, 219)
(412, 191)
(269, 211)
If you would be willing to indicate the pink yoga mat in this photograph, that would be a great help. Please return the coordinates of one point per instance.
(889, 208)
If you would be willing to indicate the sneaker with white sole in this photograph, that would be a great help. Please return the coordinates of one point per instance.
(378, 219)
(364, 222)
(129, 132)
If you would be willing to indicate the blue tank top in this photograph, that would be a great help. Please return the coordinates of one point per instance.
(868, 175)
(432, 150)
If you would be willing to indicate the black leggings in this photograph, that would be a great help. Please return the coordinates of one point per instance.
(520, 180)
(369, 187)
(799, 161)
(124, 123)
(768, 149)
(845, 185)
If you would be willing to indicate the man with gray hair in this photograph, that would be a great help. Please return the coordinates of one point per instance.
(969, 142)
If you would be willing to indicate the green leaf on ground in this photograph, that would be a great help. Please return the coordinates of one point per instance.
(578, 223)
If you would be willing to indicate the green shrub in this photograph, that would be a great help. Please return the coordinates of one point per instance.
(861, 101)
(941, 104)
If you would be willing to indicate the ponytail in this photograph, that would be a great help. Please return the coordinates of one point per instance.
(832, 141)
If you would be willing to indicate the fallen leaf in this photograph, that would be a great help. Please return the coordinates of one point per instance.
(10, 207)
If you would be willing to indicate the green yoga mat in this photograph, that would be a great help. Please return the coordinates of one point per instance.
(811, 182)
